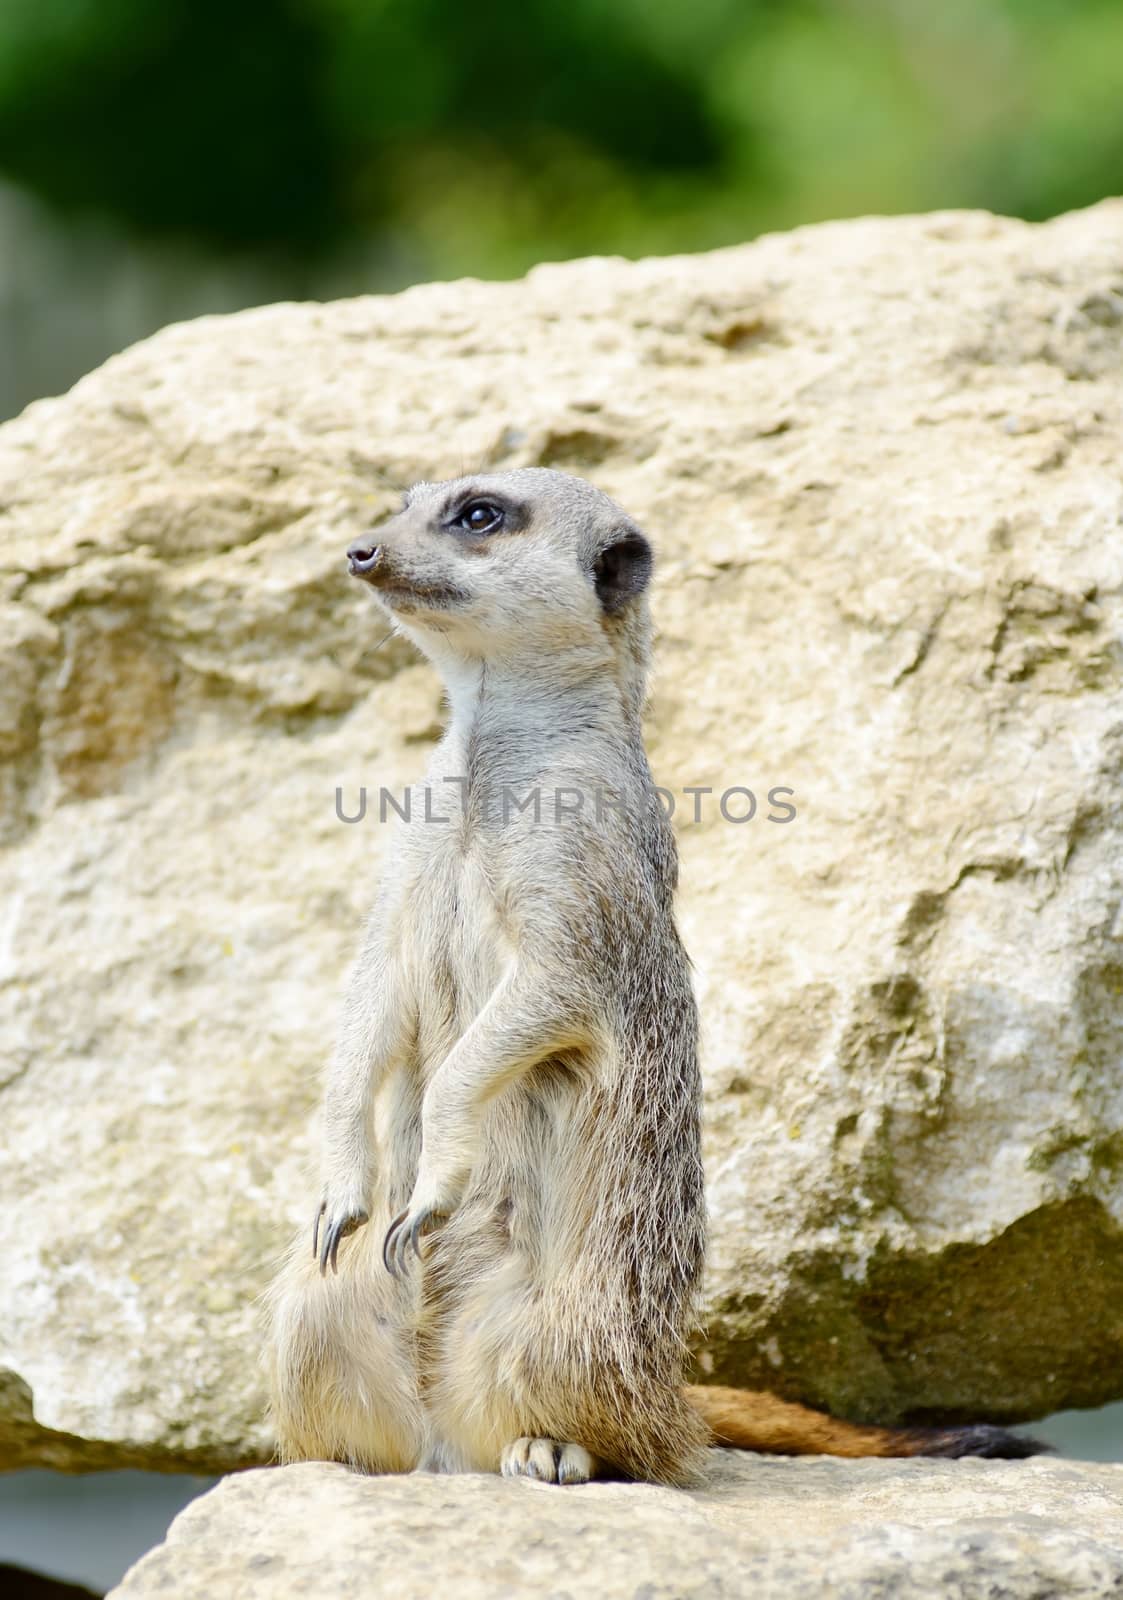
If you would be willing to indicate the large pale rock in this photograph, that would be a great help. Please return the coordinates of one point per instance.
(764, 1527)
(881, 461)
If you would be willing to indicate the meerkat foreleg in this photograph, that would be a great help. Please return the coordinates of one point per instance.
(523, 1023)
(372, 1038)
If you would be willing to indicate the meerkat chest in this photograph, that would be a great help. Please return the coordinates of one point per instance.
(460, 944)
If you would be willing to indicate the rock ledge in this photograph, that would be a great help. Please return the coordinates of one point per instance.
(759, 1526)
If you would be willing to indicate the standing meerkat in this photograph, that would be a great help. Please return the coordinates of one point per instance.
(511, 1226)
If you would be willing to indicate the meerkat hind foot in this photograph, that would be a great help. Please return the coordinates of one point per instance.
(547, 1460)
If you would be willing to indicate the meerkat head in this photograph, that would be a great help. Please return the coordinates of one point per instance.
(514, 567)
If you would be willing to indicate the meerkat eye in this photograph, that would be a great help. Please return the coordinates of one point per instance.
(479, 516)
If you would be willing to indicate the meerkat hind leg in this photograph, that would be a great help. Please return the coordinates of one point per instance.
(548, 1460)
(341, 1374)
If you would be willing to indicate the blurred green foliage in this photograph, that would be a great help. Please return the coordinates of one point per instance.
(481, 135)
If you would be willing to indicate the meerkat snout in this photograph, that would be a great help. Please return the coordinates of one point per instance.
(362, 557)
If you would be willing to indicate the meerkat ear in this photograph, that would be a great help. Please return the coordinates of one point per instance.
(622, 569)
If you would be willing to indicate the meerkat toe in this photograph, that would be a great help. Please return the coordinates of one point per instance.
(547, 1461)
(542, 1461)
(512, 1463)
(531, 1458)
(575, 1464)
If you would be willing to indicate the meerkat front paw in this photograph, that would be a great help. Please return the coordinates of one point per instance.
(547, 1460)
(339, 1219)
(406, 1232)
(436, 1195)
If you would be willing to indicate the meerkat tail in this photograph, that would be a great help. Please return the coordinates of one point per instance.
(748, 1420)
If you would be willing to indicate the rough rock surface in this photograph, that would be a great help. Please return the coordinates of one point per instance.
(760, 1526)
(881, 460)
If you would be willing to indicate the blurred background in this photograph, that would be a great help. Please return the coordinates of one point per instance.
(164, 158)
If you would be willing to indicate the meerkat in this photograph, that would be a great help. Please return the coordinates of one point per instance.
(508, 1240)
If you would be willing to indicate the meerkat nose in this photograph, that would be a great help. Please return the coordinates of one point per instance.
(363, 557)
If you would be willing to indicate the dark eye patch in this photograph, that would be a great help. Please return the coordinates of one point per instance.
(480, 514)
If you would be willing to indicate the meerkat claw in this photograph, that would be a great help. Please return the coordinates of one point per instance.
(335, 1230)
(390, 1242)
(402, 1236)
(325, 1246)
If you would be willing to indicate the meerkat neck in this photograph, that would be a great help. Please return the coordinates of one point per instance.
(576, 692)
